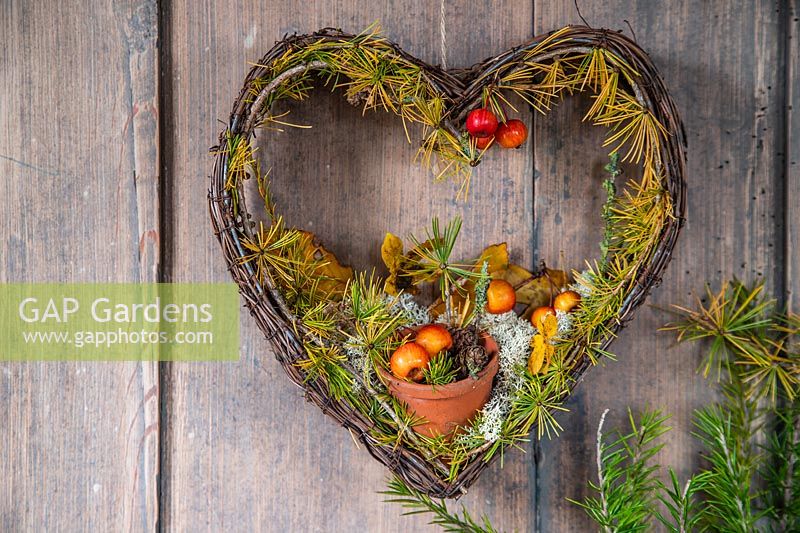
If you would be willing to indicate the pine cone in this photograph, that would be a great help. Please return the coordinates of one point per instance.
(464, 337)
(468, 351)
(475, 359)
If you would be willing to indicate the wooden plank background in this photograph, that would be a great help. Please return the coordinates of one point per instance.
(78, 159)
(107, 113)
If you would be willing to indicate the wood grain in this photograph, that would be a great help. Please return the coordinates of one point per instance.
(239, 437)
(792, 156)
(723, 66)
(78, 156)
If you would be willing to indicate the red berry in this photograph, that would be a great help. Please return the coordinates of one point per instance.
(511, 134)
(483, 142)
(481, 123)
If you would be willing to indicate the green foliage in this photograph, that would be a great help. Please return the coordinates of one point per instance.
(319, 322)
(391, 427)
(266, 250)
(626, 487)
(372, 324)
(729, 497)
(782, 470)
(418, 503)
(719, 498)
(754, 352)
(440, 371)
(481, 287)
(432, 261)
(535, 405)
(367, 301)
(326, 363)
(681, 504)
(736, 320)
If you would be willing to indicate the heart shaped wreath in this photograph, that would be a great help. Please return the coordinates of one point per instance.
(332, 331)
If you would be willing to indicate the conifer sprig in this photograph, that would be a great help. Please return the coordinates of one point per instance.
(745, 330)
(432, 261)
(729, 497)
(681, 502)
(626, 487)
(419, 503)
(440, 371)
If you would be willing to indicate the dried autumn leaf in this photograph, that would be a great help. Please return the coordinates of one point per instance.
(549, 351)
(542, 347)
(397, 262)
(333, 276)
(392, 251)
(535, 290)
(496, 257)
(536, 358)
(549, 326)
(392, 255)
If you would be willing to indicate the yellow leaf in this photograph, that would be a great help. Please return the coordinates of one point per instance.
(549, 326)
(549, 351)
(333, 276)
(392, 255)
(394, 259)
(536, 358)
(496, 257)
(392, 252)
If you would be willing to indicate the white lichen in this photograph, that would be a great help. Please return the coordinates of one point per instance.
(415, 314)
(513, 335)
(564, 322)
(358, 360)
(495, 413)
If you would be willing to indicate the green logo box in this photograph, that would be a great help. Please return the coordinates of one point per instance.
(119, 322)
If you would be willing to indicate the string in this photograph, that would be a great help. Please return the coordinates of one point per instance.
(443, 36)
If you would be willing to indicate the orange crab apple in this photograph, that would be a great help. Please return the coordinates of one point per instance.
(409, 361)
(500, 297)
(540, 313)
(567, 301)
(434, 338)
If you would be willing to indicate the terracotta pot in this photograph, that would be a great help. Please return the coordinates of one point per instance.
(446, 407)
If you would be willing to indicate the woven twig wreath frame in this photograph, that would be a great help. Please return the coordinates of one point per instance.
(458, 91)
